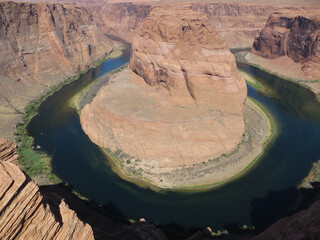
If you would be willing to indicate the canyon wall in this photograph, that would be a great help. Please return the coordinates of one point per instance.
(296, 35)
(180, 104)
(120, 19)
(30, 212)
(41, 44)
(290, 46)
(24, 213)
(238, 23)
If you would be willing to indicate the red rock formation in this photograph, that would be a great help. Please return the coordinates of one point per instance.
(120, 19)
(39, 45)
(24, 213)
(28, 213)
(238, 23)
(292, 36)
(179, 108)
(8, 151)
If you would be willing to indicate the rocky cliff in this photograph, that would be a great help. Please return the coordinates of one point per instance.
(120, 19)
(182, 102)
(238, 23)
(24, 213)
(28, 212)
(40, 45)
(291, 40)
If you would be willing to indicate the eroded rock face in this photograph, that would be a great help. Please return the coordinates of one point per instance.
(183, 54)
(295, 35)
(238, 23)
(41, 44)
(8, 151)
(183, 101)
(120, 19)
(24, 213)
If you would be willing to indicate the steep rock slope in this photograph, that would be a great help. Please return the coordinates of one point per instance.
(120, 19)
(238, 23)
(290, 45)
(40, 45)
(181, 104)
(27, 212)
(293, 34)
(24, 213)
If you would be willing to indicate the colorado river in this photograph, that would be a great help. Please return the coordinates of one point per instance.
(258, 198)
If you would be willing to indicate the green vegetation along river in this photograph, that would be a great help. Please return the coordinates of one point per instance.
(260, 197)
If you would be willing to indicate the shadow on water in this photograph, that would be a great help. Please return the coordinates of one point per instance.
(274, 203)
(81, 164)
(300, 103)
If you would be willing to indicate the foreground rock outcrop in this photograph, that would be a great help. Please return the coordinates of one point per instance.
(28, 212)
(24, 213)
(290, 46)
(302, 225)
(40, 45)
(181, 103)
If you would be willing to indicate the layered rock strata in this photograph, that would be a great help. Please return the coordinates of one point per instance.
(28, 212)
(182, 101)
(290, 46)
(24, 213)
(41, 44)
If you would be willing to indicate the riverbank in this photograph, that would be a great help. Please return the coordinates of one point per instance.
(313, 176)
(276, 68)
(260, 129)
(86, 95)
(33, 161)
(281, 68)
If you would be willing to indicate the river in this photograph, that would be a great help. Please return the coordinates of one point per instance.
(260, 197)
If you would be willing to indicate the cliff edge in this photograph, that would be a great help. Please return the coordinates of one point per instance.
(25, 213)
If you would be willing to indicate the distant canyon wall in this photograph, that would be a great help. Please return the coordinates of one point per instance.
(289, 45)
(292, 34)
(41, 44)
(238, 24)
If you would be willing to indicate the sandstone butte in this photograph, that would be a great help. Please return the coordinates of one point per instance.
(182, 101)
(289, 45)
